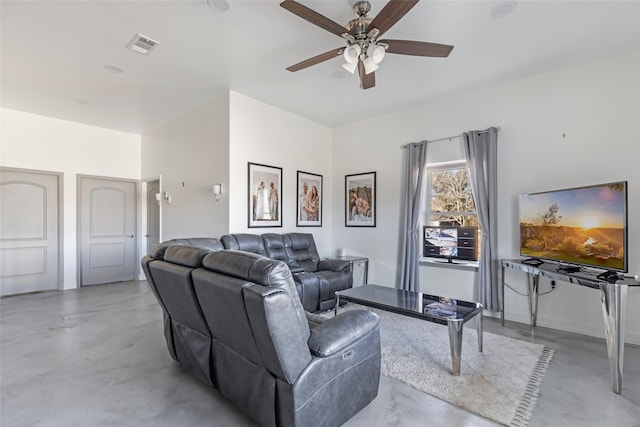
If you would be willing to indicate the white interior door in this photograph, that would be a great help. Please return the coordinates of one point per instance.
(29, 232)
(153, 215)
(107, 230)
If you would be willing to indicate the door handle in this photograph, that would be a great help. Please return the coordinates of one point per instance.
(130, 236)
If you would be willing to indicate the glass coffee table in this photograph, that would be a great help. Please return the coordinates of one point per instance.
(432, 308)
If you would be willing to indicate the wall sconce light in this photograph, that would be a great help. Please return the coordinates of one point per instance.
(166, 197)
(217, 191)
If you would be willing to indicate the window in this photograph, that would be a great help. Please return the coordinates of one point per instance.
(449, 200)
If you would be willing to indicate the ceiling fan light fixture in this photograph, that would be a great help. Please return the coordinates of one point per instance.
(369, 65)
(361, 35)
(221, 6)
(350, 66)
(376, 53)
(351, 54)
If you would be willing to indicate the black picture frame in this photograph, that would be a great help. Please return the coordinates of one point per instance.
(309, 203)
(360, 200)
(264, 196)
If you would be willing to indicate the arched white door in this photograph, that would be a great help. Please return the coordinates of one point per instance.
(107, 214)
(29, 231)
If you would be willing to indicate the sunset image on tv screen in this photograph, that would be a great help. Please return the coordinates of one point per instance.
(582, 225)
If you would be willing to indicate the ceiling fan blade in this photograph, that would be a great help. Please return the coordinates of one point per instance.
(409, 47)
(366, 80)
(390, 14)
(314, 17)
(316, 59)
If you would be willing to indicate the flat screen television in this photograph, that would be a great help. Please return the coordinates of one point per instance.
(450, 242)
(583, 226)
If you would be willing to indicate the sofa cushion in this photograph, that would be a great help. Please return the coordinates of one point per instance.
(209, 243)
(257, 269)
(330, 337)
(189, 335)
(244, 265)
(308, 287)
(274, 245)
(168, 334)
(279, 332)
(222, 303)
(244, 242)
(175, 288)
(187, 256)
(251, 306)
(301, 251)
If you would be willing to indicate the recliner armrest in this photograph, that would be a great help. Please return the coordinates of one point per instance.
(333, 265)
(344, 329)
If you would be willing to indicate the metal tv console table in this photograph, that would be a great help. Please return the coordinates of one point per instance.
(614, 304)
(416, 304)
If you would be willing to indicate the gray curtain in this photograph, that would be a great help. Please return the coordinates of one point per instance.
(411, 200)
(481, 153)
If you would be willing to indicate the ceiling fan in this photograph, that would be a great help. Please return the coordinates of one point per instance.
(365, 49)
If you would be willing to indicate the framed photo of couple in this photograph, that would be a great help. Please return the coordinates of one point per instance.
(265, 196)
(360, 200)
(309, 205)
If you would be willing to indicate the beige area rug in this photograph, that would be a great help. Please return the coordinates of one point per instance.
(502, 383)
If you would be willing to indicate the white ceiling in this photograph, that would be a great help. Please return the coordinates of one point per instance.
(53, 55)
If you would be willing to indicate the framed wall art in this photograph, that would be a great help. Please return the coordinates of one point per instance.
(265, 196)
(360, 200)
(309, 205)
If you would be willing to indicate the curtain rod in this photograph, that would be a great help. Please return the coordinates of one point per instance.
(449, 138)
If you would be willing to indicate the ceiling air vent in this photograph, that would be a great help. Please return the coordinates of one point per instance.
(142, 44)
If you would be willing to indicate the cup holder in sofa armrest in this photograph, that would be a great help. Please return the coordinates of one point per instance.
(335, 334)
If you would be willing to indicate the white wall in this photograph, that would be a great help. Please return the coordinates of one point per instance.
(36, 142)
(191, 153)
(572, 127)
(264, 134)
(214, 143)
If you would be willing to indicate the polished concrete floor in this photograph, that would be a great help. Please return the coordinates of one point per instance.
(97, 357)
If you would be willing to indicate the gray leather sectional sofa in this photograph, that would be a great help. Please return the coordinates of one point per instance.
(234, 320)
(316, 280)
